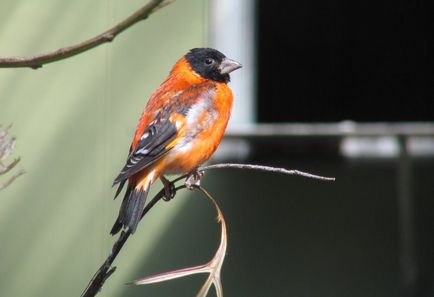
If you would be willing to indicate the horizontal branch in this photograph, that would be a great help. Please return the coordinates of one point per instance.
(106, 269)
(36, 61)
(259, 168)
(265, 168)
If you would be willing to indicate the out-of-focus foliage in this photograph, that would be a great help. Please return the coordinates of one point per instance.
(7, 144)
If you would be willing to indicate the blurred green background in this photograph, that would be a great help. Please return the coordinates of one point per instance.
(288, 236)
(74, 120)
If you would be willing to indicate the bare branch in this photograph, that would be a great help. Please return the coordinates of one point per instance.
(265, 168)
(105, 270)
(36, 61)
(257, 167)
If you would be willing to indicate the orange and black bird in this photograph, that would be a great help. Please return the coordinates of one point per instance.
(180, 128)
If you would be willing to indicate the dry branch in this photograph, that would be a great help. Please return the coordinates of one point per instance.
(7, 144)
(212, 268)
(36, 61)
(266, 168)
(106, 269)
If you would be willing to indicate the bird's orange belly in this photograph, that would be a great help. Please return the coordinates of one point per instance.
(204, 127)
(190, 156)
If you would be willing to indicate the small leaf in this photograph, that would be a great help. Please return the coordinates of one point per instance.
(165, 276)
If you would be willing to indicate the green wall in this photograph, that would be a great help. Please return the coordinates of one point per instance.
(74, 120)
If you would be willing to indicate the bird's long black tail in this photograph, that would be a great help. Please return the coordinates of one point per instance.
(131, 209)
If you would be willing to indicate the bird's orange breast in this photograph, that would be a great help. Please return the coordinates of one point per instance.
(203, 132)
(181, 77)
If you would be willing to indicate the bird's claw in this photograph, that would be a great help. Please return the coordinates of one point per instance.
(193, 180)
(169, 189)
(169, 192)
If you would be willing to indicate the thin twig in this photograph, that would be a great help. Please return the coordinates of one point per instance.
(36, 61)
(7, 144)
(4, 169)
(257, 167)
(11, 179)
(266, 168)
(105, 270)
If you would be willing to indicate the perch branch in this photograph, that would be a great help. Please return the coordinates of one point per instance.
(266, 168)
(106, 269)
(260, 168)
(36, 61)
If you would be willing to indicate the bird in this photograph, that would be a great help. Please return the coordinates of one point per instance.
(180, 128)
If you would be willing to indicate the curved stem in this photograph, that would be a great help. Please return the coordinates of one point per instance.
(105, 270)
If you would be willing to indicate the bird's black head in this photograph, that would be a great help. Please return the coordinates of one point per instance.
(211, 64)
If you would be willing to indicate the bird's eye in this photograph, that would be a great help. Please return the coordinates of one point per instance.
(209, 61)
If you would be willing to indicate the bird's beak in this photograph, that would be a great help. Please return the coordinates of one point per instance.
(228, 65)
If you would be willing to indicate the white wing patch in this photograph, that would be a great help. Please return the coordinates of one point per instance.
(142, 151)
(145, 135)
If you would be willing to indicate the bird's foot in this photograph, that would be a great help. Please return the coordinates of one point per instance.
(193, 179)
(169, 189)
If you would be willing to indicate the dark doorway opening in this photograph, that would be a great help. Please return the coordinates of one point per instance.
(328, 61)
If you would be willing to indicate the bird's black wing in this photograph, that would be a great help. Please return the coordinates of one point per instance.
(153, 145)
